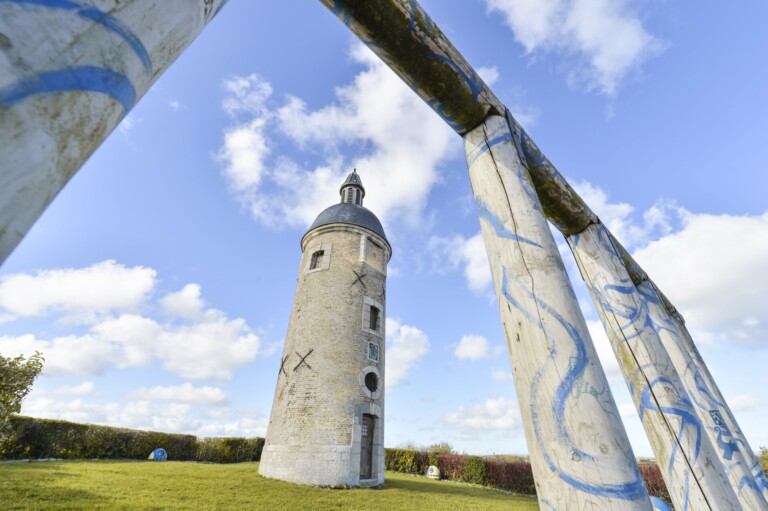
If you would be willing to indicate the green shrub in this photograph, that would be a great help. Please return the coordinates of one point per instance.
(406, 460)
(473, 470)
(229, 450)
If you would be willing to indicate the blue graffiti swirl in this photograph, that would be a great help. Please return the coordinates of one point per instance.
(82, 79)
(99, 17)
(628, 491)
(499, 227)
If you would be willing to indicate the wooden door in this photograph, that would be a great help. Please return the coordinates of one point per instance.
(366, 446)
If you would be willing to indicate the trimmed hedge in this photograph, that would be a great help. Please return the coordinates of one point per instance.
(229, 450)
(33, 438)
(513, 475)
(406, 461)
(510, 476)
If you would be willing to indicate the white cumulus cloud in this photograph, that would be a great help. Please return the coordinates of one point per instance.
(657, 221)
(715, 271)
(82, 389)
(186, 393)
(606, 38)
(186, 303)
(406, 346)
(197, 343)
(472, 347)
(467, 254)
(397, 141)
(499, 413)
(78, 292)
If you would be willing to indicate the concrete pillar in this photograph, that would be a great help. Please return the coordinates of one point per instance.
(690, 466)
(579, 451)
(69, 72)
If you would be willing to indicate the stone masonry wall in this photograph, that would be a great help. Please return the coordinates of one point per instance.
(314, 429)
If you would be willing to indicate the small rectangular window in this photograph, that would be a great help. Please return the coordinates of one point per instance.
(373, 351)
(373, 323)
(317, 260)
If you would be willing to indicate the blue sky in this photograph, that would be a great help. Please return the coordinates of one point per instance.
(159, 282)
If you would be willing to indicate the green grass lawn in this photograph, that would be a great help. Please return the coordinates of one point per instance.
(120, 485)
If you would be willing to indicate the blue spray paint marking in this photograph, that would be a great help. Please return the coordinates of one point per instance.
(630, 313)
(526, 184)
(548, 504)
(565, 389)
(100, 17)
(748, 482)
(647, 292)
(686, 417)
(728, 447)
(415, 7)
(628, 491)
(602, 235)
(474, 82)
(76, 79)
(575, 239)
(483, 148)
(702, 388)
(757, 472)
(514, 302)
(501, 231)
(440, 110)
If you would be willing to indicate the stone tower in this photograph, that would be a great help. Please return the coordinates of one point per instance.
(327, 422)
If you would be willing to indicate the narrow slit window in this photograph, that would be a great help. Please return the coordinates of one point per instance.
(317, 260)
(374, 319)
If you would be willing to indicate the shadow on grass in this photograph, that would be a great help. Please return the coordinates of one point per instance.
(42, 486)
(421, 486)
(418, 485)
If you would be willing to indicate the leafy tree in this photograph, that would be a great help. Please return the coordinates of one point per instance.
(441, 448)
(16, 378)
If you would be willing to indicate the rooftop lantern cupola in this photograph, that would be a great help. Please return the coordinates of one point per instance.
(352, 191)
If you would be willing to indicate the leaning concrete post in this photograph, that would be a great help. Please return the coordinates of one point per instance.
(712, 412)
(579, 450)
(69, 72)
(694, 477)
(724, 431)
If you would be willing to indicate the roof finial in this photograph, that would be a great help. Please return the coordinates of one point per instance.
(352, 191)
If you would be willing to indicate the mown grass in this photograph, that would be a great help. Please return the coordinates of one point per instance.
(125, 485)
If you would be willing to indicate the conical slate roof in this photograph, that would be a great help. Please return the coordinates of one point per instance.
(353, 179)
